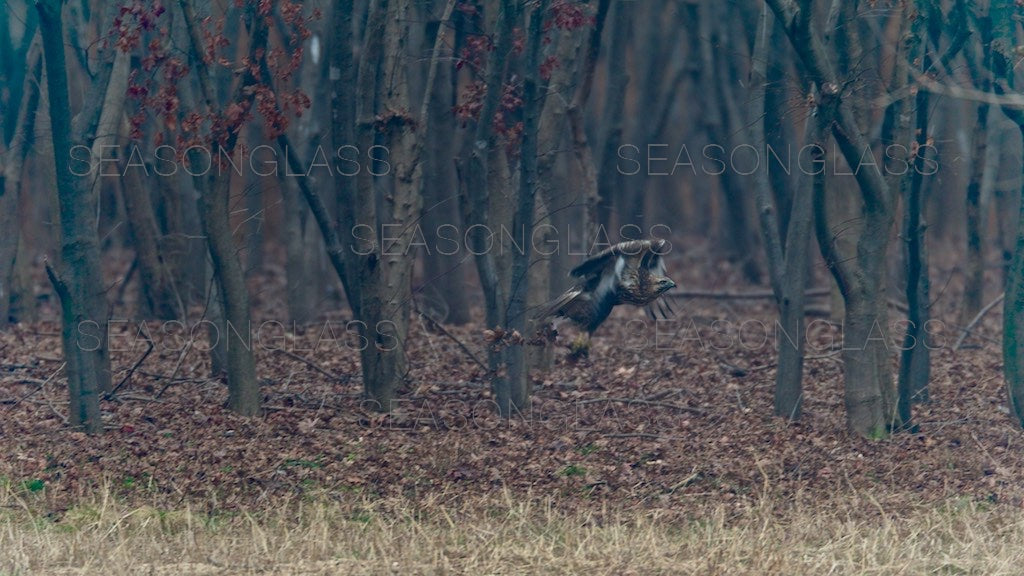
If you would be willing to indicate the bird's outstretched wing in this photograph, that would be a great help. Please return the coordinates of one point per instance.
(634, 253)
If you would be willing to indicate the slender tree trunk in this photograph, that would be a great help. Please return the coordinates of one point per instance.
(80, 284)
(725, 126)
(15, 151)
(609, 177)
(974, 285)
(976, 212)
(788, 262)
(299, 282)
(443, 272)
(244, 395)
(550, 139)
(302, 244)
(1013, 319)
(915, 356)
(157, 288)
(243, 386)
(777, 126)
(1004, 25)
(342, 72)
(515, 396)
(582, 151)
(869, 390)
(478, 187)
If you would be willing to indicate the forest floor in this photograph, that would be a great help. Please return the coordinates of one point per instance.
(657, 455)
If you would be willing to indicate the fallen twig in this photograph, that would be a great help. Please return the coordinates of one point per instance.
(177, 366)
(977, 318)
(442, 330)
(313, 365)
(140, 398)
(643, 402)
(728, 295)
(829, 356)
(41, 385)
(131, 370)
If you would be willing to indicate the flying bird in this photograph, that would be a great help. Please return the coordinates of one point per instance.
(631, 272)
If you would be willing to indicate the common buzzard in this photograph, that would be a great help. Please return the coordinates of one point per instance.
(630, 272)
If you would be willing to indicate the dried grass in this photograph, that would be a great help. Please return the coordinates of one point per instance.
(498, 534)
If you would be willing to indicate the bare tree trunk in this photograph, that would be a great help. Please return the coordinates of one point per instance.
(742, 234)
(582, 151)
(443, 272)
(183, 247)
(915, 356)
(342, 72)
(1013, 317)
(724, 126)
(244, 395)
(778, 128)
(254, 223)
(976, 212)
(1004, 35)
(609, 177)
(14, 152)
(157, 288)
(385, 265)
(788, 262)
(552, 133)
(974, 285)
(869, 391)
(516, 396)
(299, 281)
(478, 188)
(80, 284)
(302, 244)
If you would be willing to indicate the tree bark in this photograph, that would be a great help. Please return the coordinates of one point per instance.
(725, 126)
(14, 150)
(514, 396)
(1013, 320)
(787, 263)
(244, 395)
(478, 187)
(582, 151)
(384, 268)
(342, 73)
(553, 186)
(976, 213)
(1004, 56)
(609, 177)
(443, 274)
(157, 288)
(80, 284)
(869, 391)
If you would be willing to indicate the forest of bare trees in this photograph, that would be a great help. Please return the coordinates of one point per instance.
(711, 263)
(424, 160)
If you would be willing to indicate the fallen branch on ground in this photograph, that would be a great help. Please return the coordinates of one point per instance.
(728, 295)
(131, 371)
(313, 365)
(643, 402)
(41, 385)
(977, 318)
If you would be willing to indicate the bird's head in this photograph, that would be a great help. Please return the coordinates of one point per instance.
(664, 284)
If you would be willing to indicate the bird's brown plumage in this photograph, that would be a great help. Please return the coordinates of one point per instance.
(630, 272)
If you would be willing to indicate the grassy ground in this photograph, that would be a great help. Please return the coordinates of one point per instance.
(503, 534)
